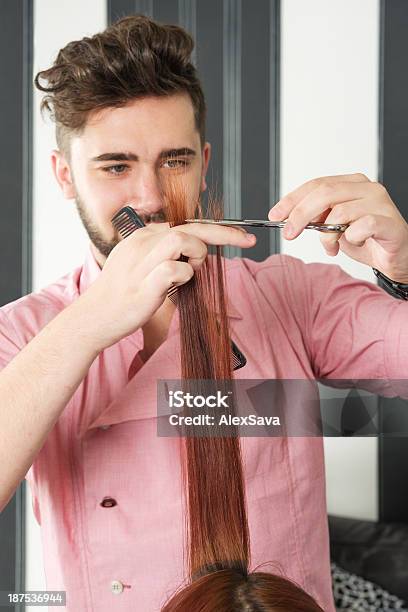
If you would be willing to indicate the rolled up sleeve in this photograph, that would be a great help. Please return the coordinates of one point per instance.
(354, 329)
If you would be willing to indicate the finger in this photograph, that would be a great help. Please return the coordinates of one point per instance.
(158, 226)
(170, 247)
(322, 199)
(379, 227)
(166, 274)
(344, 213)
(220, 235)
(282, 209)
(235, 227)
(330, 242)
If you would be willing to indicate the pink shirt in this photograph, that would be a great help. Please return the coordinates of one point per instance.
(291, 320)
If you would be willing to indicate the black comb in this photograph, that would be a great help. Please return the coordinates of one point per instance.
(127, 221)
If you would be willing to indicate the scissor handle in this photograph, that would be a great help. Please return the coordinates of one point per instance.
(328, 227)
(320, 227)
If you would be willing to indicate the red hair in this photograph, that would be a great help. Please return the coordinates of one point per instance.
(218, 554)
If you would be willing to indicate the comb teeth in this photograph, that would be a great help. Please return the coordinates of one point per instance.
(127, 221)
(235, 362)
(172, 294)
(238, 358)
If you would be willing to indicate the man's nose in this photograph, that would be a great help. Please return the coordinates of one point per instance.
(147, 196)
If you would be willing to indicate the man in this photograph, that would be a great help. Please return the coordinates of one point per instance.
(81, 357)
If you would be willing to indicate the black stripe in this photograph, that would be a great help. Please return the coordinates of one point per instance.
(15, 173)
(16, 66)
(166, 11)
(209, 51)
(259, 109)
(393, 451)
(119, 8)
(274, 105)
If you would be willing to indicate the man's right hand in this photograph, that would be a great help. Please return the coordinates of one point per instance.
(141, 269)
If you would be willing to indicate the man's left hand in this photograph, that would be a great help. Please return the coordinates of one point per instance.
(377, 234)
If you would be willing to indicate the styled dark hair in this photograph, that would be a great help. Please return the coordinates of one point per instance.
(134, 58)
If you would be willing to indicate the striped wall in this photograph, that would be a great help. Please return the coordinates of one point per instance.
(295, 90)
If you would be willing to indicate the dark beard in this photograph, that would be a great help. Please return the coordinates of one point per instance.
(104, 246)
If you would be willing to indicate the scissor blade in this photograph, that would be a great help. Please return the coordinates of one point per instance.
(241, 222)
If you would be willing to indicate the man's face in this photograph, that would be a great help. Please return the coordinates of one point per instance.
(126, 156)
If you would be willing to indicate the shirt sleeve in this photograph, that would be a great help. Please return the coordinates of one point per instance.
(10, 342)
(353, 328)
(10, 345)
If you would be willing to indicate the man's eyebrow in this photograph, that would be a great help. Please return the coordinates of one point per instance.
(120, 157)
(115, 157)
(184, 151)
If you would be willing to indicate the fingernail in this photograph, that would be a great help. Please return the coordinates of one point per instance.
(250, 237)
(274, 214)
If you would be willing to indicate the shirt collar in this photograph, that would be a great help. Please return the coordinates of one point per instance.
(91, 271)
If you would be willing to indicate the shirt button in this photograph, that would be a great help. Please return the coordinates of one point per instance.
(116, 587)
(108, 502)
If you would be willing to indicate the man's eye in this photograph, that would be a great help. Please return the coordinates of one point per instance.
(116, 169)
(173, 163)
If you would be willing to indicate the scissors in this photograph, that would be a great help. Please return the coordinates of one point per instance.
(320, 227)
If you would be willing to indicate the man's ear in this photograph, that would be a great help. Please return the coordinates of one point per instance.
(63, 174)
(206, 161)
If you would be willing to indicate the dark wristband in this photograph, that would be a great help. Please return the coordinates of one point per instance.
(398, 290)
